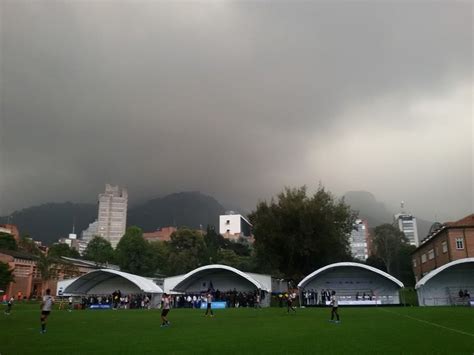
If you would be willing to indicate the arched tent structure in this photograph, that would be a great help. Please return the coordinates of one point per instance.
(222, 278)
(352, 281)
(106, 281)
(441, 286)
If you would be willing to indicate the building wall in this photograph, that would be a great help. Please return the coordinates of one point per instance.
(163, 234)
(442, 254)
(233, 226)
(407, 224)
(359, 240)
(112, 216)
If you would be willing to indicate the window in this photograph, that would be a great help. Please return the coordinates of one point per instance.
(423, 258)
(414, 262)
(431, 254)
(444, 245)
(459, 243)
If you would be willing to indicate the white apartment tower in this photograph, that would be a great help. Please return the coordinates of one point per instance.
(407, 224)
(359, 240)
(112, 217)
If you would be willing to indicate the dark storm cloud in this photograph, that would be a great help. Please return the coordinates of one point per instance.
(230, 98)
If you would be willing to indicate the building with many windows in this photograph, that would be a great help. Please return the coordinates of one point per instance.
(407, 224)
(445, 243)
(360, 240)
(112, 216)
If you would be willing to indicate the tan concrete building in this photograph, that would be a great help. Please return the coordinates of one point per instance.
(445, 243)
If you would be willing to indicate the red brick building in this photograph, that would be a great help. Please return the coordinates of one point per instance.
(445, 243)
(27, 279)
(162, 234)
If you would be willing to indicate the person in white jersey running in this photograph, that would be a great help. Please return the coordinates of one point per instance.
(46, 307)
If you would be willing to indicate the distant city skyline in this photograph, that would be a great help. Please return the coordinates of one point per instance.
(238, 100)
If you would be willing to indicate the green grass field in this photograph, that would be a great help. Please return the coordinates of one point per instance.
(246, 331)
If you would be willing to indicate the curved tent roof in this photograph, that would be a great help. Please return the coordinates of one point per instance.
(436, 271)
(88, 281)
(349, 264)
(208, 269)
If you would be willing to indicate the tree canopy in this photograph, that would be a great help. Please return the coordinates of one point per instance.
(57, 250)
(6, 275)
(394, 251)
(7, 241)
(297, 233)
(99, 250)
(134, 255)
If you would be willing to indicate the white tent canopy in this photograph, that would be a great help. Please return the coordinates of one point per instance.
(441, 285)
(350, 279)
(223, 277)
(106, 281)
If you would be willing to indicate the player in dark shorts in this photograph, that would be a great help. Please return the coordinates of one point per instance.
(289, 303)
(9, 306)
(165, 309)
(46, 307)
(209, 305)
(334, 305)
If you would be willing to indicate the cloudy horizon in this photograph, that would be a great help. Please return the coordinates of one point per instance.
(237, 99)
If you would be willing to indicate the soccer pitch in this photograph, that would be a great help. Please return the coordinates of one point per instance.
(378, 330)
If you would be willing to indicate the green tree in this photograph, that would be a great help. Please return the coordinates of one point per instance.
(6, 275)
(99, 250)
(298, 233)
(28, 245)
(187, 251)
(134, 254)
(228, 257)
(388, 242)
(160, 252)
(57, 250)
(7, 241)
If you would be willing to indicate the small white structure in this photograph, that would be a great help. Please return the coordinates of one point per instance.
(441, 286)
(232, 224)
(106, 281)
(353, 281)
(219, 277)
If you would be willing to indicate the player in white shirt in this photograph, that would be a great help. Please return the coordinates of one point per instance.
(209, 305)
(334, 305)
(46, 307)
(70, 304)
(165, 308)
(9, 306)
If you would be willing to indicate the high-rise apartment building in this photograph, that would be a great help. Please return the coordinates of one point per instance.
(112, 218)
(360, 240)
(407, 224)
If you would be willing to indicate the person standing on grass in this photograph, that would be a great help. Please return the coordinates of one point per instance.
(165, 309)
(46, 307)
(9, 306)
(289, 303)
(209, 305)
(70, 304)
(334, 305)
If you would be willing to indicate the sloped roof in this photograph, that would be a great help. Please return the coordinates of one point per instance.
(194, 274)
(349, 264)
(88, 281)
(436, 271)
(467, 221)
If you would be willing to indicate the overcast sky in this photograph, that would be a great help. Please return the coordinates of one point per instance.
(237, 100)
